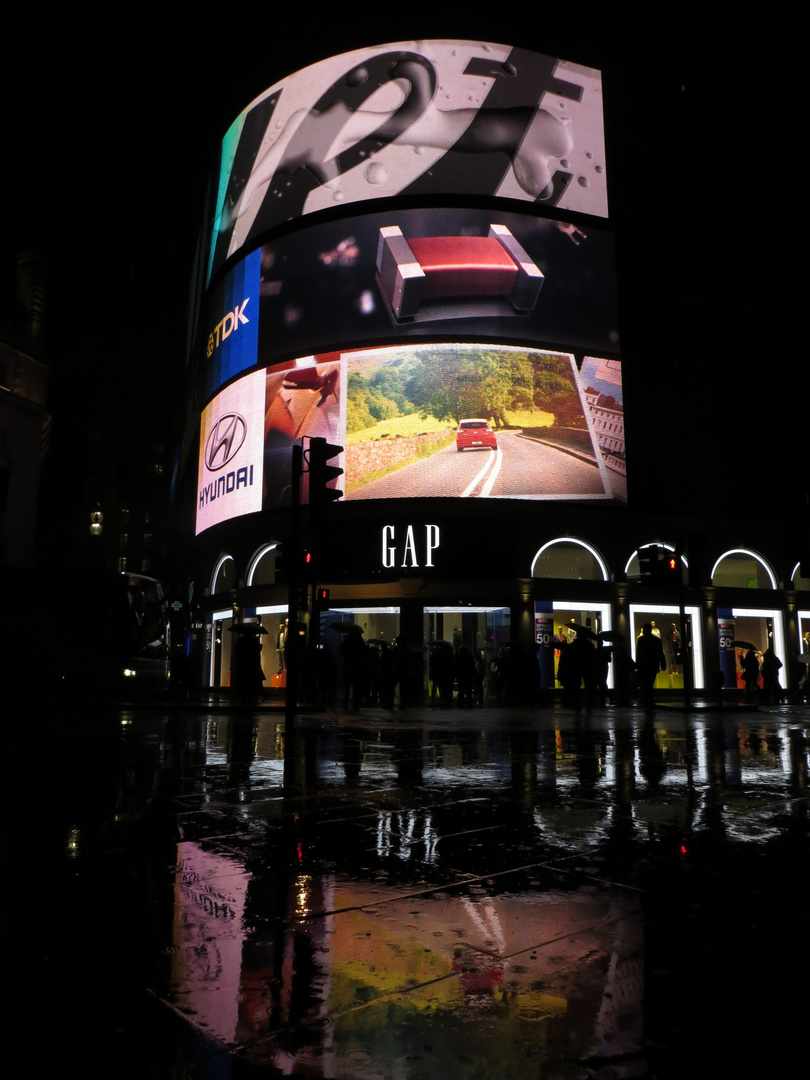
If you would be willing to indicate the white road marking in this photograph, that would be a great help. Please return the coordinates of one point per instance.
(492, 460)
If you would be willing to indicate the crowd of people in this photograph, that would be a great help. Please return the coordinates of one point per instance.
(386, 673)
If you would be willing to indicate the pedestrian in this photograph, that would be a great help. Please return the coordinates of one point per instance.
(650, 660)
(750, 673)
(353, 652)
(248, 678)
(465, 676)
(771, 688)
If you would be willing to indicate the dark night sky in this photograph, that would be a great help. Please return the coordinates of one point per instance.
(110, 133)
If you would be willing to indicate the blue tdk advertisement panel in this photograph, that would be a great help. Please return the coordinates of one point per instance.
(232, 326)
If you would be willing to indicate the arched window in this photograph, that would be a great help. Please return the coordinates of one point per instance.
(799, 583)
(571, 559)
(223, 578)
(262, 567)
(741, 569)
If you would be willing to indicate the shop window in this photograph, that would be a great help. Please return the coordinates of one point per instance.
(742, 570)
(224, 577)
(798, 580)
(573, 560)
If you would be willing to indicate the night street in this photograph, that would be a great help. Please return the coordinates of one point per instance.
(457, 894)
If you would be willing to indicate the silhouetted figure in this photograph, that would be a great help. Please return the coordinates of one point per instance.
(650, 660)
(771, 688)
(599, 663)
(442, 674)
(576, 663)
(624, 673)
(389, 674)
(248, 677)
(353, 652)
(750, 673)
(465, 674)
(480, 675)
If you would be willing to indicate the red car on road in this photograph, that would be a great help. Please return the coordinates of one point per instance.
(475, 435)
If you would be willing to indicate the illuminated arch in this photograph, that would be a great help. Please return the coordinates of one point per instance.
(737, 571)
(547, 566)
(255, 560)
(223, 577)
(797, 580)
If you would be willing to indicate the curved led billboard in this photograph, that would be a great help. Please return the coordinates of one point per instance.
(411, 274)
(418, 118)
(435, 420)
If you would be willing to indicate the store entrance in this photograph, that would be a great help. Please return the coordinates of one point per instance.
(481, 631)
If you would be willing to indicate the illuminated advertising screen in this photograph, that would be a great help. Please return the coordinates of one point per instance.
(470, 421)
(439, 420)
(230, 468)
(231, 325)
(424, 119)
(413, 273)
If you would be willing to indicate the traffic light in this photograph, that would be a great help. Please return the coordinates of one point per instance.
(322, 475)
(293, 564)
(649, 563)
(672, 568)
(322, 597)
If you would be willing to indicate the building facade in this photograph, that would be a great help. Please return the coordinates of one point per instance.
(408, 252)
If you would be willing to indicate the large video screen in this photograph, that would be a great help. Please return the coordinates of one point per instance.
(439, 420)
(426, 118)
(458, 273)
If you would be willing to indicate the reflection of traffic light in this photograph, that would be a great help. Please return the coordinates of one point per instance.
(322, 475)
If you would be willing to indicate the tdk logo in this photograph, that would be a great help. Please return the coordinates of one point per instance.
(225, 327)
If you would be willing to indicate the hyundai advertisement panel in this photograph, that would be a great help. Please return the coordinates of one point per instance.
(231, 460)
(415, 118)
(430, 420)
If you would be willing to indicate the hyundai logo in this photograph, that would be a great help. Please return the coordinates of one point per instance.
(227, 436)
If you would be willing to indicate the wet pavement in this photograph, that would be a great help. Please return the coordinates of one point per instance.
(422, 894)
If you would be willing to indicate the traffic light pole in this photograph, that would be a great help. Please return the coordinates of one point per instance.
(293, 643)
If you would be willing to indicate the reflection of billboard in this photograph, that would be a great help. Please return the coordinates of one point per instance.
(413, 118)
(330, 284)
(229, 478)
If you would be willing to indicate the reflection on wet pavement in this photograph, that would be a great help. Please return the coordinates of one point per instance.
(495, 895)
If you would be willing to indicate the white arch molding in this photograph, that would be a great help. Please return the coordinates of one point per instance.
(750, 555)
(600, 562)
(257, 557)
(217, 567)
